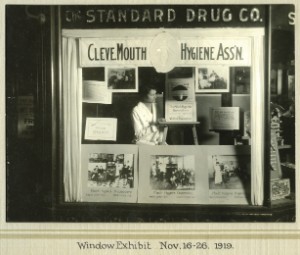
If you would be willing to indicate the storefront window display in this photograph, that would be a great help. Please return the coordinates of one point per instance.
(202, 82)
(189, 108)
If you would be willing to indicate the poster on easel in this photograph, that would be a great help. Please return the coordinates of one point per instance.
(181, 90)
(180, 112)
(180, 85)
(180, 104)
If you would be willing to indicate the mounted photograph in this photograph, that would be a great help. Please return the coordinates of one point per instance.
(172, 172)
(121, 79)
(111, 170)
(212, 79)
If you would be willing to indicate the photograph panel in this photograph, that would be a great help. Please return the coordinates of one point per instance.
(213, 79)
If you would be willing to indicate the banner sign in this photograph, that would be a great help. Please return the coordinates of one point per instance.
(104, 51)
(157, 16)
(233, 51)
(185, 52)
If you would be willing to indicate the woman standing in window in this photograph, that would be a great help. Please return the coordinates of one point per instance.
(144, 118)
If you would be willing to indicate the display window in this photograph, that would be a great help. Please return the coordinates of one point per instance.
(163, 115)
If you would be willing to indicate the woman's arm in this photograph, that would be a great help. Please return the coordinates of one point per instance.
(139, 129)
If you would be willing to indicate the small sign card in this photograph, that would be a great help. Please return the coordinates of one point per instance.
(96, 92)
(101, 129)
(225, 118)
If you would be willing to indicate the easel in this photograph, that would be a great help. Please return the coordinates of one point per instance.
(192, 124)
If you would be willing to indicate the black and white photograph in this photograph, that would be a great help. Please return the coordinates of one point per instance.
(230, 175)
(86, 98)
(121, 79)
(172, 175)
(230, 172)
(108, 173)
(169, 125)
(172, 172)
(111, 170)
(241, 79)
(212, 79)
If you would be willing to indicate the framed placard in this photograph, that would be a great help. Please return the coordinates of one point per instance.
(225, 118)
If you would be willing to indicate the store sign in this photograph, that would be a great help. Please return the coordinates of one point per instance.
(283, 16)
(132, 16)
(183, 52)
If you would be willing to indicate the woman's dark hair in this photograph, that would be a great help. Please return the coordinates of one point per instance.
(144, 90)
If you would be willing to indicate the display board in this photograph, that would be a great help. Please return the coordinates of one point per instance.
(180, 100)
(189, 175)
(109, 173)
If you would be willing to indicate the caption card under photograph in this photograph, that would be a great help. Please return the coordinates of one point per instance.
(109, 173)
(171, 175)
